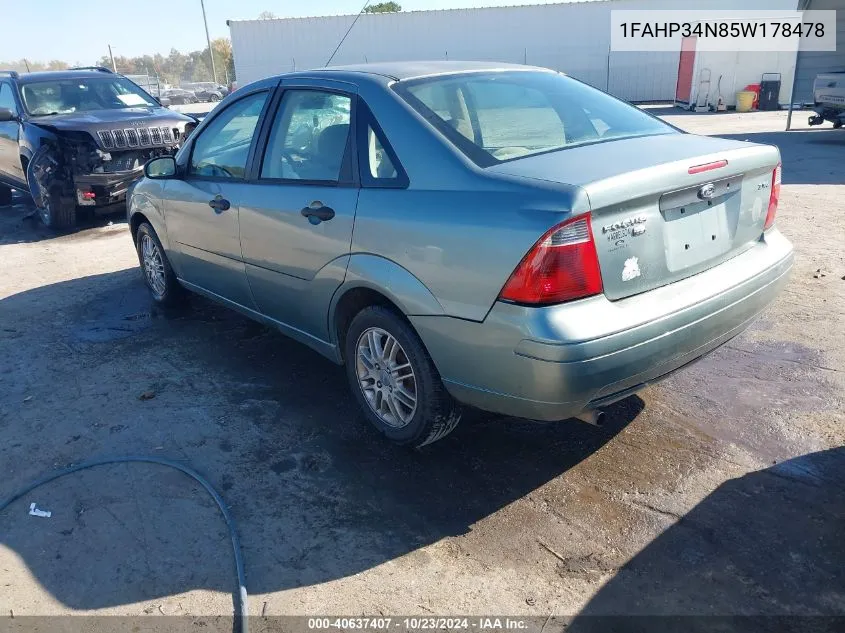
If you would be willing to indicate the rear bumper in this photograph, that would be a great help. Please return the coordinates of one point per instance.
(552, 363)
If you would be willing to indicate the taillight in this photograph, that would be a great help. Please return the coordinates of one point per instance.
(774, 195)
(561, 266)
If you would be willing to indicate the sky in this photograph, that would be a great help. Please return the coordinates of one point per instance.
(80, 31)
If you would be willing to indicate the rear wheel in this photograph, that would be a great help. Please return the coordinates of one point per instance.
(394, 380)
(159, 276)
(214, 97)
(5, 196)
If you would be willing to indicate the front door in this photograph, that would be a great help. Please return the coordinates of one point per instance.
(297, 219)
(202, 207)
(11, 171)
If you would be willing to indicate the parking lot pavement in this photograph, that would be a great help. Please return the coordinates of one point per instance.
(718, 491)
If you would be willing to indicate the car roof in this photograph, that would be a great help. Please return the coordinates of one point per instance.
(48, 75)
(399, 71)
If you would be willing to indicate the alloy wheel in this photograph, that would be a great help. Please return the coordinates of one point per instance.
(386, 377)
(153, 265)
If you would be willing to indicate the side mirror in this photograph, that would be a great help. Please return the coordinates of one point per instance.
(160, 168)
(7, 115)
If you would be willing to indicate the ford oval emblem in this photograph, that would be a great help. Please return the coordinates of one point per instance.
(707, 191)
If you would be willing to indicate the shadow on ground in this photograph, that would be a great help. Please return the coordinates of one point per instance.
(809, 157)
(768, 543)
(317, 495)
(20, 224)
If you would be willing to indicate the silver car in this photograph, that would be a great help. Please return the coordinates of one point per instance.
(501, 237)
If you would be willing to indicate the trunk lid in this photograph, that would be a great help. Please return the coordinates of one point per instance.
(653, 221)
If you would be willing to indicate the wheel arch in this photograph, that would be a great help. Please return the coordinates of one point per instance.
(373, 280)
(136, 220)
(141, 208)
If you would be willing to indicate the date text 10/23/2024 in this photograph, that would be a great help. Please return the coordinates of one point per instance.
(419, 623)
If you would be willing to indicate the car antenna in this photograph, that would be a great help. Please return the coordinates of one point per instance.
(343, 39)
(26, 63)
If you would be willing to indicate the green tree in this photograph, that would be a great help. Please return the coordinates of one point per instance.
(224, 61)
(384, 7)
(173, 69)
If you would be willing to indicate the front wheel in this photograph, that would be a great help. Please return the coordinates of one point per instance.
(161, 280)
(57, 211)
(395, 381)
(5, 196)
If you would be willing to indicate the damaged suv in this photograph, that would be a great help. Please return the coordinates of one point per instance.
(79, 138)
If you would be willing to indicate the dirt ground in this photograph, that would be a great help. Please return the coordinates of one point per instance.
(719, 491)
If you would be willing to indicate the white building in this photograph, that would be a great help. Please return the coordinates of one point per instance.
(572, 37)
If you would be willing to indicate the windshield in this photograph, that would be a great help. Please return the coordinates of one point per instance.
(499, 116)
(63, 96)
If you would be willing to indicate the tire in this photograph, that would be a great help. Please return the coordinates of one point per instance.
(164, 288)
(434, 414)
(5, 196)
(59, 211)
(214, 98)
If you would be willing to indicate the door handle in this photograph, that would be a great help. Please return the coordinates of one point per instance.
(317, 212)
(219, 203)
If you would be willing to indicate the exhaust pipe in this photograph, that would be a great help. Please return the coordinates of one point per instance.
(591, 416)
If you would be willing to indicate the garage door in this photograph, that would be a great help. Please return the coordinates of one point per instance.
(811, 63)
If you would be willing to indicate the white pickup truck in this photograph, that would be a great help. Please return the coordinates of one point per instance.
(829, 99)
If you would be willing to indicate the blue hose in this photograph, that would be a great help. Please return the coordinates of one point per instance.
(227, 517)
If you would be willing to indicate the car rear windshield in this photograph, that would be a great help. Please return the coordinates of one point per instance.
(64, 96)
(499, 116)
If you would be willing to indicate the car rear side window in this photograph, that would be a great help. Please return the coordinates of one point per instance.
(221, 150)
(499, 116)
(310, 137)
(379, 165)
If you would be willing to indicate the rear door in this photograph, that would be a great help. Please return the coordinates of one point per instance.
(202, 207)
(296, 219)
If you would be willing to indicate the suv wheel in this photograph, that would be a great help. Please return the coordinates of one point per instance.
(213, 98)
(5, 196)
(395, 381)
(58, 211)
(159, 276)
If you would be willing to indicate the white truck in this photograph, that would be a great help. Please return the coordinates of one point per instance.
(829, 99)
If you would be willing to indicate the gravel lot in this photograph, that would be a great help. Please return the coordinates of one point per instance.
(719, 491)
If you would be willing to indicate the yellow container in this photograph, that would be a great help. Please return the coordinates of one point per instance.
(744, 100)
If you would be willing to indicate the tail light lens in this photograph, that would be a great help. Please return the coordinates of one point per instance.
(561, 266)
(774, 196)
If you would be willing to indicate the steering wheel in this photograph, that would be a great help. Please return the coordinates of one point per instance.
(287, 156)
(218, 170)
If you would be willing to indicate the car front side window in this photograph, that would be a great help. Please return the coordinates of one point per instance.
(222, 149)
(310, 137)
